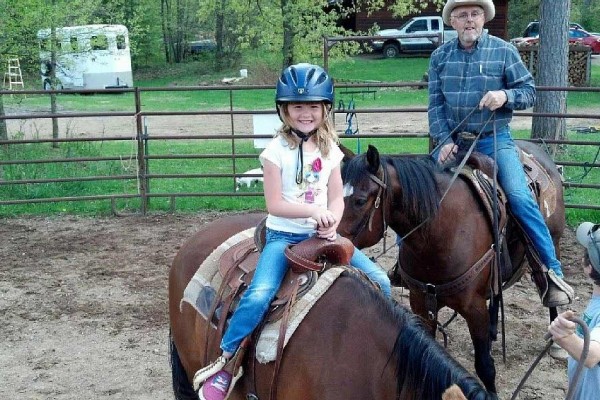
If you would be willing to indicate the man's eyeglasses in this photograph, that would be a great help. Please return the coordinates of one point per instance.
(462, 17)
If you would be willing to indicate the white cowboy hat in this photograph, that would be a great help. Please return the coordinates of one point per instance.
(588, 235)
(488, 8)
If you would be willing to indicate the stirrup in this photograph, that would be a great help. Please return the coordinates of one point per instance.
(556, 283)
(204, 373)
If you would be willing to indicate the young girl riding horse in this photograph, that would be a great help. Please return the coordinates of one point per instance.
(304, 196)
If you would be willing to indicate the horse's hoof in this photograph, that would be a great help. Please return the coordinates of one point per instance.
(557, 352)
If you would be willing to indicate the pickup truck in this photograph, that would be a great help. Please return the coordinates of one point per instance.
(403, 39)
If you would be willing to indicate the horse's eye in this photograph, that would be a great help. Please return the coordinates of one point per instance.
(360, 202)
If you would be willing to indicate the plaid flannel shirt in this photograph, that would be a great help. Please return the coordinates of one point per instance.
(458, 79)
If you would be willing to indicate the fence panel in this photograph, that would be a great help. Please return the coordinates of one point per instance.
(145, 160)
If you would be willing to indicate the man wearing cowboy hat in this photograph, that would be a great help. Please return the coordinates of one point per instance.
(475, 83)
(566, 333)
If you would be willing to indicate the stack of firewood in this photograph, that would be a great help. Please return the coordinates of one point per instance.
(579, 61)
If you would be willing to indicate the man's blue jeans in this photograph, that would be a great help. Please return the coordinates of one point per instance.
(512, 179)
(270, 271)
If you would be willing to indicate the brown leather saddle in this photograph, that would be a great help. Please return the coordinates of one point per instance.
(237, 266)
(479, 173)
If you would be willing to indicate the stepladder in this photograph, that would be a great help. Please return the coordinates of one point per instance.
(13, 78)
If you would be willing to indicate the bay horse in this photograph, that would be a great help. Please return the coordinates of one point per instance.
(353, 344)
(442, 240)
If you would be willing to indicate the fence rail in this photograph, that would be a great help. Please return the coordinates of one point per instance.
(144, 161)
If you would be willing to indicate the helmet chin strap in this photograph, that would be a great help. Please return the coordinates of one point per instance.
(300, 161)
(303, 136)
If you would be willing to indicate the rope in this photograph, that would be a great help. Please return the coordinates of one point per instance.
(580, 364)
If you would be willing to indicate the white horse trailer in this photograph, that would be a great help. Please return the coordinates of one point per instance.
(87, 57)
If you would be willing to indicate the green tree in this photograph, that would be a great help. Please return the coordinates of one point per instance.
(293, 28)
(179, 21)
(142, 18)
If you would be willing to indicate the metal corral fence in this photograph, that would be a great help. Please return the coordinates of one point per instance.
(214, 165)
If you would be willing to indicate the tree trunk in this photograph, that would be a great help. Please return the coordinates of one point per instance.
(164, 18)
(552, 68)
(3, 130)
(288, 33)
(220, 35)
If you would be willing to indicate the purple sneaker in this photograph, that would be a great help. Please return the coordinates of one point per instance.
(216, 387)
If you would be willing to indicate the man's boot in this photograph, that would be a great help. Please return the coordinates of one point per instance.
(559, 292)
(553, 290)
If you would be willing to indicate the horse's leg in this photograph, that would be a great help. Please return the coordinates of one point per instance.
(493, 311)
(477, 317)
(418, 306)
(553, 313)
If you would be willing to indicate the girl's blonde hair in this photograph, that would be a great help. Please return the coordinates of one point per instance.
(324, 135)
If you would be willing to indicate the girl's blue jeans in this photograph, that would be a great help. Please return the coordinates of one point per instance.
(270, 271)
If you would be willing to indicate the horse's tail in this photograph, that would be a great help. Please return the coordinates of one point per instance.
(182, 388)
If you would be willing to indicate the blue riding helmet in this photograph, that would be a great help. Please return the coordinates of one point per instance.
(304, 83)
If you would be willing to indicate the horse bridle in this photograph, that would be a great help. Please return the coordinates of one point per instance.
(368, 221)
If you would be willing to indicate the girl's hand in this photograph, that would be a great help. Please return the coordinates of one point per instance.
(324, 218)
(327, 233)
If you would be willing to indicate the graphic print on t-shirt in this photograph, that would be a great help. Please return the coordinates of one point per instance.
(310, 181)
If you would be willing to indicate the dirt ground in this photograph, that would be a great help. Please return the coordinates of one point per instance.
(367, 123)
(83, 303)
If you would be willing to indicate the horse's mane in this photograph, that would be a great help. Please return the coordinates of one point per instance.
(417, 355)
(420, 196)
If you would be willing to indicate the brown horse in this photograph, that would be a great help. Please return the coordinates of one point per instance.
(442, 239)
(353, 344)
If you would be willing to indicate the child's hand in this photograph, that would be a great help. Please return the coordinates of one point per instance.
(562, 327)
(324, 218)
(329, 233)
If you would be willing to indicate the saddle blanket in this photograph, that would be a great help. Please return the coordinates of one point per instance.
(200, 293)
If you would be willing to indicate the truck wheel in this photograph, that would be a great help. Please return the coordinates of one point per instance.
(391, 50)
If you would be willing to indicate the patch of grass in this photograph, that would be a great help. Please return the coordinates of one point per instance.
(262, 71)
(125, 166)
(589, 154)
(161, 163)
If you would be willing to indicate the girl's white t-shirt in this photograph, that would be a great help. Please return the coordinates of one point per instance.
(312, 190)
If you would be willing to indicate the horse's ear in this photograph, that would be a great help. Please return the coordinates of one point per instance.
(348, 154)
(373, 159)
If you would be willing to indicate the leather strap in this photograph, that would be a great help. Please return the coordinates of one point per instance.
(446, 289)
(300, 264)
(281, 340)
